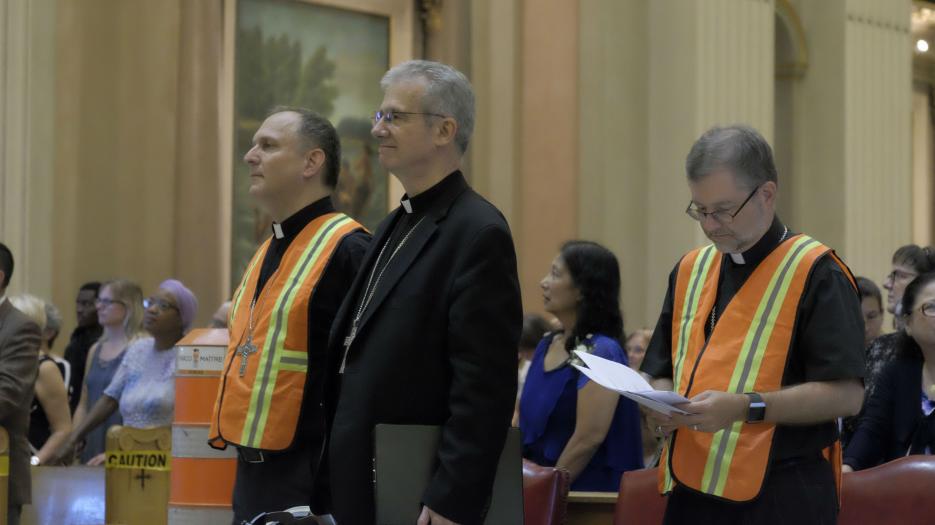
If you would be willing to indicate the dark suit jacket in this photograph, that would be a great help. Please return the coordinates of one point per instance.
(437, 346)
(19, 365)
(892, 416)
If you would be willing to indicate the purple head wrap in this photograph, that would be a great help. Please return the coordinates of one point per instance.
(188, 304)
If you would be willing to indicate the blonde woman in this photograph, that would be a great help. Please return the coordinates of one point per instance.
(49, 416)
(120, 313)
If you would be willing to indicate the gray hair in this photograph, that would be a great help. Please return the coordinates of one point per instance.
(447, 92)
(317, 132)
(53, 318)
(739, 148)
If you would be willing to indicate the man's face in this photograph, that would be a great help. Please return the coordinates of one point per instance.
(407, 142)
(85, 310)
(719, 192)
(276, 159)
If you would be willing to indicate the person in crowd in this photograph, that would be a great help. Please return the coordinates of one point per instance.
(19, 364)
(270, 403)
(871, 304)
(909, 262)
(143, 389)
(534, 329)
(219, 318)
(894, 422)
(85, 334)
(53, 327)
(120, 313)
(429, 330)
(636, 346)
(762, 331)
(49, 417)
(567, 420)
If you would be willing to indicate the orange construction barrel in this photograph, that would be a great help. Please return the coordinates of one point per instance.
(202, 478)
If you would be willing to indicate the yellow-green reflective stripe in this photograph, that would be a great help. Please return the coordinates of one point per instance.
(747, 366)
(693, 294)
(243, 286)
(294, 361)
(268, 367)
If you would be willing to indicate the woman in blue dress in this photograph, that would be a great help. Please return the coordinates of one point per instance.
(568, 421)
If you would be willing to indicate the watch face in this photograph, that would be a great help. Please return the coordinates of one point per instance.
(34, 461)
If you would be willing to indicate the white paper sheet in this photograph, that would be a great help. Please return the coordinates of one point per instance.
(629, 383)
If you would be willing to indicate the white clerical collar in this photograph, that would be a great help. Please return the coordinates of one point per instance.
(407, 205)
(737, 258)
(277, 231)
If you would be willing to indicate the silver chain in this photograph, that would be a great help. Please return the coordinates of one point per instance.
(370, 291)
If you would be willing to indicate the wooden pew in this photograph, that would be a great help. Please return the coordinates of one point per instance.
(591, 508)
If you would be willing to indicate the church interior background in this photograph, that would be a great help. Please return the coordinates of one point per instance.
(119, 153)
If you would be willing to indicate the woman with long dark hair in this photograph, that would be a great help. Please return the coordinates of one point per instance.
(894, 423)
(567, 420)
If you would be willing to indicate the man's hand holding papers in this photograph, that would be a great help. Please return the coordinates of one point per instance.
(630, 384)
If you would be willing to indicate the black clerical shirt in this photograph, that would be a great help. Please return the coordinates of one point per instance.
(413, 210)
(324, 304)
(827, 342)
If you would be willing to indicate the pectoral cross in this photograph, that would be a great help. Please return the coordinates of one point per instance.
(244, 351)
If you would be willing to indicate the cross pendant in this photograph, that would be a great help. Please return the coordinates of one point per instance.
(244, 351)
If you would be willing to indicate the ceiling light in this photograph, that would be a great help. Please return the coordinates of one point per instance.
(922, 46)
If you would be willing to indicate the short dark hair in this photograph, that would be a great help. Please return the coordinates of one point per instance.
(534, 329)
(868, 288)
(596, 274)
(318, 132)
(920, 259)
(6, 264)
(738, 148)
(94, 286)
(906, 345)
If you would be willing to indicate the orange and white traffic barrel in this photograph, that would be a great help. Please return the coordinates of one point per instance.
(202, 478)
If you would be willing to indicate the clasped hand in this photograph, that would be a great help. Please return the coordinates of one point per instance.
(708, 411)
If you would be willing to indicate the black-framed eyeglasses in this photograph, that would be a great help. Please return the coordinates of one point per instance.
(105, 302)
(900, 275)
(161, 304)
(389, 116)
(721, 216)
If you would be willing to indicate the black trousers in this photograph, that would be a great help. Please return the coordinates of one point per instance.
(800, 491)
(282, 480)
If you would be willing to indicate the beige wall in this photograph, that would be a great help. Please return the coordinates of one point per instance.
(136, 188)
(586, 110)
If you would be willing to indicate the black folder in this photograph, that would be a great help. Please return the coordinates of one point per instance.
(405, 459)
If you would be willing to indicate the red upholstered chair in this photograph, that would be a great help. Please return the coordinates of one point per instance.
(639, 501)
(545, 494)
(899, 492)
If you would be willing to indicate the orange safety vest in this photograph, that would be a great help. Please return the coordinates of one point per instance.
(746, 352)
(260, 407)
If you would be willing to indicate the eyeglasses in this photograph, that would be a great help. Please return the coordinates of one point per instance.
(161, 304)
(927, 309)
(900, 275)
(721, 216)
(389, 116)
(105, 302)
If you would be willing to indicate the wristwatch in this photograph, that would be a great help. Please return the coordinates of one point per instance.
(757, 408)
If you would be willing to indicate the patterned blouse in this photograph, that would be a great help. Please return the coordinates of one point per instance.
(144, 385)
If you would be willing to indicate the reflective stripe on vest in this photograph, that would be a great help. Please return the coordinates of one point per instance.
(747, 351)
(261, 408)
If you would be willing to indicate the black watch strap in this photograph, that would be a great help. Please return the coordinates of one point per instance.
(757, 409)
